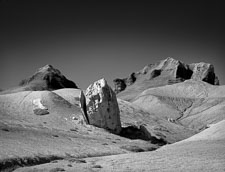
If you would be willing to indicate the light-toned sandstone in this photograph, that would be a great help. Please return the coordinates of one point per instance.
(102, 106)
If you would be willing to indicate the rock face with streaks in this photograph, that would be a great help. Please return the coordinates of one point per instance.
(102, 107)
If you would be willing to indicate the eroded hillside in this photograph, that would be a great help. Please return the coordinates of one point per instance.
(48, 120)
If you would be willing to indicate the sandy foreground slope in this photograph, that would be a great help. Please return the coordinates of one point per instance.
(29, 139)
(202, 152)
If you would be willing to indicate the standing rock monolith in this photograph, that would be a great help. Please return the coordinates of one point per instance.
(102, 107)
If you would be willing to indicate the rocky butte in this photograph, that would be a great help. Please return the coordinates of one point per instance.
(166, 72)
(47, 78)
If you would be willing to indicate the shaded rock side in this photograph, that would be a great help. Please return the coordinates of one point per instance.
(121, 84)
(102, 107)
(204, 72)
(83, 107)
(47, 78)
(168, 71)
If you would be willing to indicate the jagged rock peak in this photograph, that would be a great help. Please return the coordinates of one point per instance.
(47, 67)
(169, 71)
(168, 63)
(102, 106)
(171, 60)
(47, 78)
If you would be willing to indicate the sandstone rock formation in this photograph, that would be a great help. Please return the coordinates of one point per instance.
(47, 78)
(168, 71)
(102, 106)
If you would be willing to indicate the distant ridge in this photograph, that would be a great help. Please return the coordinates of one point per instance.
(166, 72)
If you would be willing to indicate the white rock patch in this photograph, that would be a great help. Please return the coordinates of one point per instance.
(39, 108)
(38, 104)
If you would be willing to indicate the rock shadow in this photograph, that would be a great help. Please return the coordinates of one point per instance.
(133, 132)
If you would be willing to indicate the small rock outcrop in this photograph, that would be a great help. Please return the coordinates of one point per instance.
(121, 84)
(47, 78)
(39, 108)
(102, 107)
(168, 71)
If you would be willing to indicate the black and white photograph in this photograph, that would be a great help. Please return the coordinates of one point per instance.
(112, 86)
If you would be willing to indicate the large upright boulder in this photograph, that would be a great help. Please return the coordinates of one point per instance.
(102, 107)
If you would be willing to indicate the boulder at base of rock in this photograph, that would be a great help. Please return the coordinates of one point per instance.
(102, 107)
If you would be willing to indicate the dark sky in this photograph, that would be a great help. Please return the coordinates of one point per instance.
(88, 40)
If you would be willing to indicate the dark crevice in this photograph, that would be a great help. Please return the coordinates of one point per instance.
(184, 72)
(155, 73)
